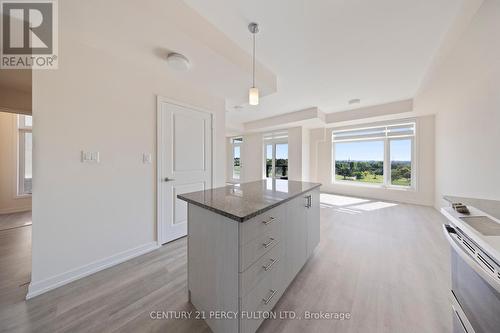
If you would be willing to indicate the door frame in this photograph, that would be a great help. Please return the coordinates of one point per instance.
(160, 209)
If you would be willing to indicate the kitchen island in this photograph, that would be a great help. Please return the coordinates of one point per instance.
(246, 243)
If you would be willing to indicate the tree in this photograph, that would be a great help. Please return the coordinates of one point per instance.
(405, 173)
(344, 170)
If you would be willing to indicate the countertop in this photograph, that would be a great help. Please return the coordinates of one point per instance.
(241, 202)
(491, 207)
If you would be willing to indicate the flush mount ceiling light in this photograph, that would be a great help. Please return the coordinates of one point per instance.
(253, 92)
(178, 61)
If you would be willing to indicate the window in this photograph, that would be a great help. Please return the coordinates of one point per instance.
(276, 151)
(236, 153)
(401, 162)
(380, 156)
(24, 158)
(360, 161)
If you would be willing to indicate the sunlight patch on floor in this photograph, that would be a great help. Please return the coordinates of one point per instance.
(339, 200)
(367, 207)
(352, 205)
(348, 211)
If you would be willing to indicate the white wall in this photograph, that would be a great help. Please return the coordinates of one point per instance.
(9, 202)
(463, 92)
(89, 215)
(252, 157)
(321, 168)
(14, 100)
(298, 153)
(295, 153)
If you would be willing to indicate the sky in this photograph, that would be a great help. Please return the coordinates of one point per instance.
(372, 150)
(357, 151)
(281, 151)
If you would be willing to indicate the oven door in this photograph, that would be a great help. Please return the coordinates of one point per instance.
(475, 285)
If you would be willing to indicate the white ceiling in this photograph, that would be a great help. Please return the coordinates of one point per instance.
(326, 52)
(17, 79)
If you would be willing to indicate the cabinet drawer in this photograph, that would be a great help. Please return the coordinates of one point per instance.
(260, 224)
(257, 247)
(262, 298)
(261, 268)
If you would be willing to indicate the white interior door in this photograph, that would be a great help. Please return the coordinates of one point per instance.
(184, 163)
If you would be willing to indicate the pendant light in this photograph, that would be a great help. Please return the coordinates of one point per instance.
(253, 93)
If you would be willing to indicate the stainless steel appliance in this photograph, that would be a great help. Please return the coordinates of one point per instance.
(475, 288)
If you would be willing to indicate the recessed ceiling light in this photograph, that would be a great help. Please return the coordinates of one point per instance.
(178, 61)
(354, 101)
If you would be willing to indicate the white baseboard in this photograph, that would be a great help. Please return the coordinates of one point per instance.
(14, 210)
(39, 287)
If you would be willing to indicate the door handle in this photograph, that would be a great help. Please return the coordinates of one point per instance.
(269, 243)
(168, 179)
(268, 266)
(271, 219)
(267, 300)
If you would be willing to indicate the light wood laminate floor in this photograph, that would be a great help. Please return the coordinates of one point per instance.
(15, 220)
(385, 264)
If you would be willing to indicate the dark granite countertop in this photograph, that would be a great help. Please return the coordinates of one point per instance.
(243, 201)
(491, 207)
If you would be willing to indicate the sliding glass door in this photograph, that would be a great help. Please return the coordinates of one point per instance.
(276, 160)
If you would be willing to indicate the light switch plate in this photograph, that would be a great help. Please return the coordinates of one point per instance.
(90, 156)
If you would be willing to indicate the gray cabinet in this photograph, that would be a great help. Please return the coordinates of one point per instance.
(245, 267)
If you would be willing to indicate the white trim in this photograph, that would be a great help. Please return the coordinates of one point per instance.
(16, 111)
(160, 158)
(20, 130)
(234, 145)
(39, 287)
(15, 210)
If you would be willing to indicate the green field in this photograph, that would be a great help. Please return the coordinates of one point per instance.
(371, 179)
(377, 180)
(401, 182)
(372, 172)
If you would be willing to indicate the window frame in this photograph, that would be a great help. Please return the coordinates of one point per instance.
(273, 161)
(274, 138)
(387, 156)
(413, 164)
(21, 130)
(235, 144)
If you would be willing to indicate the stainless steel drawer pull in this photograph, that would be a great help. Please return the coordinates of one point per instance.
(273, 292)
(268, 266)
(307, 201)
(269, 221)
(271, 241)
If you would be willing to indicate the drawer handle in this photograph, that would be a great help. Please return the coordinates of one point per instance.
(269, 221)
(266, 245)
(267, 300)
(268, 266)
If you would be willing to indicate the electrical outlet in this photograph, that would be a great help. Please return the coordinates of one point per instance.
(146, 158)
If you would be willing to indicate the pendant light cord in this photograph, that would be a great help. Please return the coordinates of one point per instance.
(253, 82)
